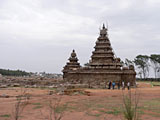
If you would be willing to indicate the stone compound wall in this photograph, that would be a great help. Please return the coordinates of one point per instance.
(99, 80)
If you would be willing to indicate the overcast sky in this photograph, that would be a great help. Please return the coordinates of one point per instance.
(39, 35)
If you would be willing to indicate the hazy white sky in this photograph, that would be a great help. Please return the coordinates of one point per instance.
(39, 35)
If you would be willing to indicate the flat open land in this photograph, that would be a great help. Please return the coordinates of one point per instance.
(97, 104)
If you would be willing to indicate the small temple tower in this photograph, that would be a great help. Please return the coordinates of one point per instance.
(73, 63)
(103, 66)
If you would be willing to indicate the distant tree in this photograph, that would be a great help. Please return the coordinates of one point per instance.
(158, 73)
(128, 62)
(142, 62)
(155, 62)
(13, 72)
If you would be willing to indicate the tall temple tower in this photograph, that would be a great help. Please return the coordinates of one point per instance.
(103, 66)
(103, 55)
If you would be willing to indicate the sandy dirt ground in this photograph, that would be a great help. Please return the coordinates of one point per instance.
(100, 104)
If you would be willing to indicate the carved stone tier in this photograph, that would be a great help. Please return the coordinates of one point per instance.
(103, 52)
(103, 47)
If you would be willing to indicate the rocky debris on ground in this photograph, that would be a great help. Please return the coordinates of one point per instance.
(3, 86)
(76, 92)
(63, 90)
(11, 81)
(4, 96)
(51, 92)
(16, 85)
(37, 82)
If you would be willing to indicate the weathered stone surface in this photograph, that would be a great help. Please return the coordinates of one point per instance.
(102, 67)
(29, 82)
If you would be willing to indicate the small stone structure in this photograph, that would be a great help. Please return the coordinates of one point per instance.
(102, 68)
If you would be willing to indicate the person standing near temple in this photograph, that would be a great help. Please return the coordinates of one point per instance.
(113, 84)
(109, 85)
(123, 85)
(128, 85)
(118, 84)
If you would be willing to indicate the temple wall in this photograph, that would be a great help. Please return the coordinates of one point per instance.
(99, 79)
(92, 79)
(129, 78)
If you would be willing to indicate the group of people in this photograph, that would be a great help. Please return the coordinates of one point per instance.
(112, 85)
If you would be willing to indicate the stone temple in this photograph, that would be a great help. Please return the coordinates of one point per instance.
(102, 68)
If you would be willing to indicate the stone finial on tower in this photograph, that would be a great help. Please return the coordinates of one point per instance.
(103, 31)
(73, 54)
(103, 26)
